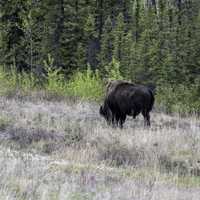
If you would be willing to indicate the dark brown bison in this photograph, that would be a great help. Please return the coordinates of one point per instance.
(125, 98)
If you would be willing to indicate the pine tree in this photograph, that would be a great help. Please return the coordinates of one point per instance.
(119, 35)
(54, 29)
(91, 40)
(152, 40)
(122, 46)
(146, 49)
(127, 59)
(107, 43)
(137, 19)
(12, 33)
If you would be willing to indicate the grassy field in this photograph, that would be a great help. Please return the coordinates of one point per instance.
(64, 150)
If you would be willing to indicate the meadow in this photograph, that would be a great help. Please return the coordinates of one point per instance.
(56, 59)
(62, 149)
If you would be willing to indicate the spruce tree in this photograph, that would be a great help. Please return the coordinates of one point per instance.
(127, 59)
(107, 43)
(91, 41)
(119, 35)
(12, 50)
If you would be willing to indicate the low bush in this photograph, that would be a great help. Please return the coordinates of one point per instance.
(82, 84)
(12, 82)
(55, 83)
(179, 99)
(86, 84)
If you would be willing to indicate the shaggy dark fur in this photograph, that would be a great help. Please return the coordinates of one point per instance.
(124, 98)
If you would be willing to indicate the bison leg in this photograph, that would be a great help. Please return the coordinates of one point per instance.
(114, 121)
(134, 113)
(146, 118)
(122, 120)
(117, 119)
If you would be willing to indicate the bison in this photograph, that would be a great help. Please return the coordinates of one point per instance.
(125, 98)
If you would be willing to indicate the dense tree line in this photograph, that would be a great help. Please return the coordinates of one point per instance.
(152, 40)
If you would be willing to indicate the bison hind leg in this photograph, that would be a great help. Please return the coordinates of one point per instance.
(114, 121)
(146, 116)
(148, 119)
(122, 120)
(117, 119)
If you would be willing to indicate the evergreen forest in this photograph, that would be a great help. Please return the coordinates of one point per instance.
(153, 42)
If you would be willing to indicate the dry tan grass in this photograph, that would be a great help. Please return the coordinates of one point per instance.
(65, 150)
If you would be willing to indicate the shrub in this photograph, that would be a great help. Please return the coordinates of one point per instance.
(86, 84)
(12, 81)
(55, 78)
(26, 82)
(7, 81)
(179, 98)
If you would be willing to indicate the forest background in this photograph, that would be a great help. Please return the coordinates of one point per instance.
(72, 47)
